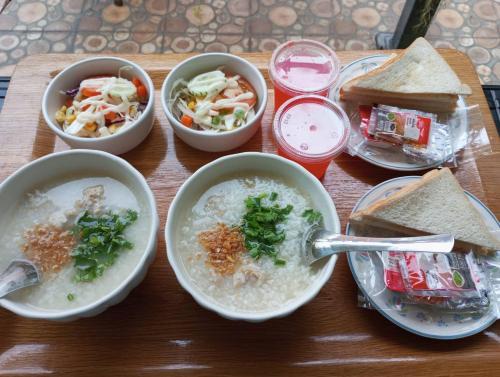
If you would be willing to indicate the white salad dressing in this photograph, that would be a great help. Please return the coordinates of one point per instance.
(214, 101)
(102, 104)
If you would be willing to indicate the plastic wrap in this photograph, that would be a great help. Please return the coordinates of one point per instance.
(421, 279)
(389, 133)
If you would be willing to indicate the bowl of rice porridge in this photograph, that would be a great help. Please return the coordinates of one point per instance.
(88, 221)
(234, 232)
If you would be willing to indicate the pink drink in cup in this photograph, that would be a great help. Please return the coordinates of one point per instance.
(311, 130)
(302, 67)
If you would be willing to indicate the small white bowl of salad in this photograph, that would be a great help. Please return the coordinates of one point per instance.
(103, 103)
(214, 102)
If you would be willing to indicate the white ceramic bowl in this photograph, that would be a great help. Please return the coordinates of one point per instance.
(211, 141)
(48, 168)
(71, 77)
(214, 172)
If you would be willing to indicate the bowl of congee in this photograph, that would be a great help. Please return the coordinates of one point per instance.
(87, 220)
(234, 235)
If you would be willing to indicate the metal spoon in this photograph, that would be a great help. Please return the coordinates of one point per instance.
(318, 243)
(19, 274)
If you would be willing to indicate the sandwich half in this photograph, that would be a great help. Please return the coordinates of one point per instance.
(435, 204)
(418, 77)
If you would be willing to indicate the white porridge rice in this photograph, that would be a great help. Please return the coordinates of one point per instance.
(55, 205)
(271, 286)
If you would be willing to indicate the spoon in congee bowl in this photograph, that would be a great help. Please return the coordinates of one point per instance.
(19, 274)
(318, 243)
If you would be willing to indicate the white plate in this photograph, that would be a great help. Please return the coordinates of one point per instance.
(419, 319)
(388, 158)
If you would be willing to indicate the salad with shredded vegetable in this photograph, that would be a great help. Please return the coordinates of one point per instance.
(213, 101)
(102, 106)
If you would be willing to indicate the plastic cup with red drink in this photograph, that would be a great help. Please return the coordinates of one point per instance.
(302, 67)
(311, 130)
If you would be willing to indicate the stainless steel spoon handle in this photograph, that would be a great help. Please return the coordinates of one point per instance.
(328, 244)
(19, 274)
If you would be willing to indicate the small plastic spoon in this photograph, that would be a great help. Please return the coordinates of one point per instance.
(19, 274)
(318, 243)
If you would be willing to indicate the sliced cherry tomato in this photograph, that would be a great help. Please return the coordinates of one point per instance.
(69, 102)
(110, 116)
(89, 92)
(142, 92)
(136, 82)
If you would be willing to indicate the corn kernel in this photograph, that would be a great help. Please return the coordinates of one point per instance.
(91, 127)
(113, 128)
(133, 111)
(71, 118)
(60, 116)
(191, 105)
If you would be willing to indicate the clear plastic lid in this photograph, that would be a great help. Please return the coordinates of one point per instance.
(311, 128)
(304, 66)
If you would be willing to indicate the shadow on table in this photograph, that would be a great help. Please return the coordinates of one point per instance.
(192, 159)
(367, 173)
(148, 155)
(44, 140)
(382, 328)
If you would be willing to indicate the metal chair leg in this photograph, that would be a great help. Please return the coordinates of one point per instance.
(413, 23)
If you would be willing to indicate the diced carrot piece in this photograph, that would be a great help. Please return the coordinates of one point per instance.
(142, 92)
(88, 92)
(186, 120)
(85, 107)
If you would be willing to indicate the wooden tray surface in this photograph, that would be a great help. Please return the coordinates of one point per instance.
(159, 329)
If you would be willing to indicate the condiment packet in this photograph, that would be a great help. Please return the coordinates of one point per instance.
(415, 133)
(450, 281)
(401, 126)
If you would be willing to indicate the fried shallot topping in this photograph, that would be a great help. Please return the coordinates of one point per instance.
(48, 246)
(224, 246)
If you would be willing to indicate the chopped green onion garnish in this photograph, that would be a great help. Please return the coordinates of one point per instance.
(260, 227)
(216, 120)
(239, 114)
(312, 216)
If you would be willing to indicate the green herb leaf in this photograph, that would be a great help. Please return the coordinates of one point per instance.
(101, 242)
(260, 229)
(70, 296)
(312, 216)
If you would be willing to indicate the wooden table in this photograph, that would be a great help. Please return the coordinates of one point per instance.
(159, 329)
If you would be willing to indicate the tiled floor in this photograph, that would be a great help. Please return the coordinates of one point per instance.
(156, 26)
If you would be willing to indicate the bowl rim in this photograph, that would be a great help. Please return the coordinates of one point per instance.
(173, 121)
(200, 297)
(85, 140)
(33, 312)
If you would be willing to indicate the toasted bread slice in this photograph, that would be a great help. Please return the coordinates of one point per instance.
(434, 204)
(428, 103)
(418, 69)
(418, 76)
